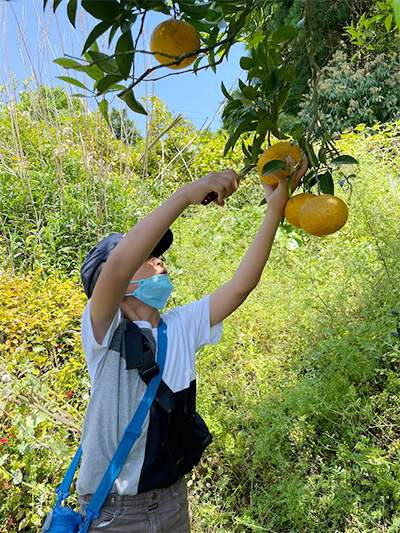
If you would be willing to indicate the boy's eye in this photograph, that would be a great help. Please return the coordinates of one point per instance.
(152, 257)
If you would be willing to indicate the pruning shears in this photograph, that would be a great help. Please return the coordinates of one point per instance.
(213, 195)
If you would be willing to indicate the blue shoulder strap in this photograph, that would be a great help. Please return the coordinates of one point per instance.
(132, 432)
(63, 490)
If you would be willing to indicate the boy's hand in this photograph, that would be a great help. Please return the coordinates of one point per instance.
(276, 195)
(224, 183)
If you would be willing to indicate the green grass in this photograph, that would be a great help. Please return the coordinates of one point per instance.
(302, 392)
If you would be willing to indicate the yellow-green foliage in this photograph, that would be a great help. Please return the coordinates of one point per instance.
(40, 324)
(43, 391)
(302, 392)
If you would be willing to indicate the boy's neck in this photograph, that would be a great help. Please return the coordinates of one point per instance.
(141, 312)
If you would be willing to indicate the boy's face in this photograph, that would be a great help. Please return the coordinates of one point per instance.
(151, 267)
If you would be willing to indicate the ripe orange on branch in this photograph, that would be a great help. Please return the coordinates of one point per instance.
(293, 206)
(280, 152)
(174, 38)
(323, 215)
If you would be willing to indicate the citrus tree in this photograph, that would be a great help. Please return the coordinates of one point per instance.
(198, 34)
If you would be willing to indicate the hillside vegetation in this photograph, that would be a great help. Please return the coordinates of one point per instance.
(301, 394)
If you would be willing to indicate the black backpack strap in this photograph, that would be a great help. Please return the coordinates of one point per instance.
(138, 353)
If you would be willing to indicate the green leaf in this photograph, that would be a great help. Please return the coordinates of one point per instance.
(113, 31)
(93, 71)
(288, 74)
(255, 39)
(160, 7)
(246, 151)
(106, 83)
(272, 82)
(73, 81)
(281, 100)
(309, 150)
(132, 103)
(326, 183)
(214, 15)
(322, 155)
(67, 63)
(388, 22)
(396, 9)
(225, 92)
(98, 30)
(56, 3)
(103, 105)
(195, 9)
(256, 147)
(103, 61)
(264, 126)
(243, 127)
(124, 46)
(284, 33)
(273, 166)
(71, 11)
(344, 160)
(249, 92)
(107, 10)
(202, 25)
(309, 180)
(246, 63)
(196, 64)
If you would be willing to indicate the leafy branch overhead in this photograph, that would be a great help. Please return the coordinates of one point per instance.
(220, 24)
(282, 61)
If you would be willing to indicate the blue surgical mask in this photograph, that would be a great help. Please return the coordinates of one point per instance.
(153, 291)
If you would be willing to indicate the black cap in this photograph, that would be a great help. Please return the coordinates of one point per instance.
(100, 252)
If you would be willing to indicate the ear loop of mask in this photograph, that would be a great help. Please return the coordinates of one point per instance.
(133, 293)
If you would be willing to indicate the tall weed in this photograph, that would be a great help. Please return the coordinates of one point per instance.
(302, 392)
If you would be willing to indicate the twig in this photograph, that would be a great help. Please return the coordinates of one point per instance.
(316, 71)
(164, 131)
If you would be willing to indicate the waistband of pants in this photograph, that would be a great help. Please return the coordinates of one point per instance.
(126, 500)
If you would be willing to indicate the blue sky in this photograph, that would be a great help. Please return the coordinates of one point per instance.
(31, 40)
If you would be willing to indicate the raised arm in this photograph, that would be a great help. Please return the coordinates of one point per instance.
(135, 247)
(228, 297)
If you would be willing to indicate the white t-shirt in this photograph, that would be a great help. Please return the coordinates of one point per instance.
(116, 393)
(188, 331)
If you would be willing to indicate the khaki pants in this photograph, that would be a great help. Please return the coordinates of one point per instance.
(156, 511)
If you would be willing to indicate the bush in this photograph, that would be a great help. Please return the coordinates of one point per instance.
(66, 181)
(302, 392)
(44, 389)
(353, 93)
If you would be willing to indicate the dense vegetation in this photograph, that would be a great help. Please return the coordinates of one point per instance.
(301, 394)
(290, 62)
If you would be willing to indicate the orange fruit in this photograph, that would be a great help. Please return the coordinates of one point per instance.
(174, 37)
(323, 215)
(278, 151)
(293, 206)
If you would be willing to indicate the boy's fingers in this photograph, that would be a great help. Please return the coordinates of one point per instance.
(300, 171)
(224, 184)
(303, 167)
(221, 203)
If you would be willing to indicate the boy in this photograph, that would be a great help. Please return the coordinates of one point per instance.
(127, 283)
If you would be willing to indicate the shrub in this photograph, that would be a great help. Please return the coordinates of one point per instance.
(354, 93)
(43, 392)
